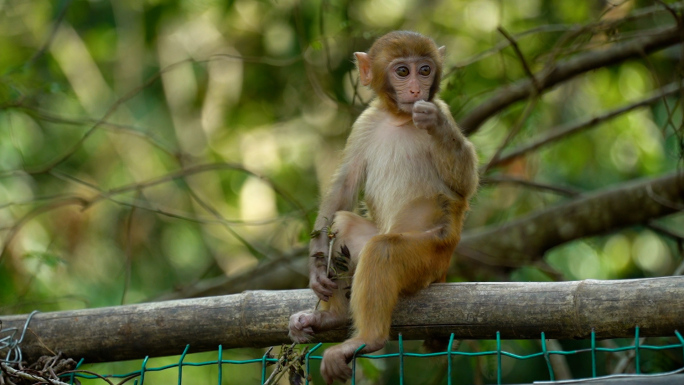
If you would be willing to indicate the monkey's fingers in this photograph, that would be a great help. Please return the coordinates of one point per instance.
(424, 115)
(423, 107)
(323, 287)
(321, 292)
(327, 282)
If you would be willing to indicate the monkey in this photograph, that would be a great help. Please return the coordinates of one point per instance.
(417, 172)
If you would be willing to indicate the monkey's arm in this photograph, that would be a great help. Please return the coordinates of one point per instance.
(341, 195)
(455, 157)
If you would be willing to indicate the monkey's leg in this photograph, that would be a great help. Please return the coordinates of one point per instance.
(352, 233)
(389, 265)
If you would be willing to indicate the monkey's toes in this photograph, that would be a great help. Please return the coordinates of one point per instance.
(334, 366)
(301, 327)
(299, 337)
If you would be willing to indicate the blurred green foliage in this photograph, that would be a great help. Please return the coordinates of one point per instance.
(99, 99)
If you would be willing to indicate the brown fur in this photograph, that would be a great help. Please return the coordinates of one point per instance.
(417, 172)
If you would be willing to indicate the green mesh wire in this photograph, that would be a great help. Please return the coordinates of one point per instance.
(265, 360)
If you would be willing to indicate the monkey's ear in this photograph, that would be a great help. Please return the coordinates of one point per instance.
(364, 64)
(442, 51)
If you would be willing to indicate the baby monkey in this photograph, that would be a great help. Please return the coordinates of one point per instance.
(417, 171)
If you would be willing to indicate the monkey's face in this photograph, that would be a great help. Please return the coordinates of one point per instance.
(411, 79)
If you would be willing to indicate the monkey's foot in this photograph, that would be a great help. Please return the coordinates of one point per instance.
(301, 326)
(335, 364)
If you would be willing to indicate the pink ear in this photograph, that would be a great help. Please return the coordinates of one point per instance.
(364, 64)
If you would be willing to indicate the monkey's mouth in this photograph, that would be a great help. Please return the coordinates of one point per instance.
(406, 106)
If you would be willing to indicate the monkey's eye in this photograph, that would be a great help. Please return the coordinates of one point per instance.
(425, 70)
(402, 71)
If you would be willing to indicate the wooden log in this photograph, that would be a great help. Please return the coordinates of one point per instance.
(563, 310)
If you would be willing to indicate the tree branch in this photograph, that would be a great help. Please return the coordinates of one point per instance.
(529, 184)
(521, 57)
(260, 318)
(556, 134)
(564, 71)
(520, 242)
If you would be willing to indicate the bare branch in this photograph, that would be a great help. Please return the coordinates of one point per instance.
(110, 111)
(133, 93)
(512, 133)
(530, 184)
(556, 134)
(520, 55)
(527, 239)
(196, 169)
(575, 29)
(128, 129)
(253, 59)
(500, 46)
(566, 70)
(53, 32)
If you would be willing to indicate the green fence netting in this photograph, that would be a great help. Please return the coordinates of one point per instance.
(313, 353)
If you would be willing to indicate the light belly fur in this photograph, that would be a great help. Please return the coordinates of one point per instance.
(402, 172)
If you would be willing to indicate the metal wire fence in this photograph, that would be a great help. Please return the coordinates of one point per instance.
(313, 353)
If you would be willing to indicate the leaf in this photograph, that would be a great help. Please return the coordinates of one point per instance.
(344, 251)
(341, 264)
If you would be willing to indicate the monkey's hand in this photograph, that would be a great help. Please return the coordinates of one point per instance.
(427, 116)
(319, 281)
(335, 364)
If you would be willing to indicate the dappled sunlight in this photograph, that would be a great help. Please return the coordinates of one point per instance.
(260, 151)
(584, 262)
(391, 10)
(35, 240)
(624, 154)
(180, 89)
(634, 80)
(483, 15)
(179, 245)
(617, 251)
(279, 39)
(650, 253)
(250, 14)
(257, 201)
(79, 67)
(581, 260)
